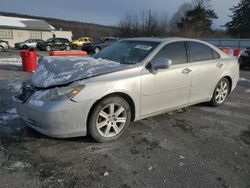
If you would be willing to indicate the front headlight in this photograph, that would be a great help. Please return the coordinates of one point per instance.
(58, 93)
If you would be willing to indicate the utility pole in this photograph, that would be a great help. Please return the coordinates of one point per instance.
(149, 22)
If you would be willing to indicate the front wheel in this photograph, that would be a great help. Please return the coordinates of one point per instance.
(67, 48)
(221, 92)
(25, 47)
(109, 119)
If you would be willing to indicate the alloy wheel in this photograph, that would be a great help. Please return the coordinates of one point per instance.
(221, 92)
(111, 120)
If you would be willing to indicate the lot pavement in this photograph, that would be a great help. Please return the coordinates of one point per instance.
(199, 146)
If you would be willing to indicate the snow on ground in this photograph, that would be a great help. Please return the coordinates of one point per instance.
(11, 61)
(14, 85)
(244, 80)
(9, 115)
(18, 165)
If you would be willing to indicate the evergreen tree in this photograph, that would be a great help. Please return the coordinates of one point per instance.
(198, 20)
(240, 23)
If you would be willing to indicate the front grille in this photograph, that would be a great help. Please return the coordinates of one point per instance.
(26, 92)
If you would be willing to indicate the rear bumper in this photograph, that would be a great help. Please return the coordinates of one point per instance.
(58, 119)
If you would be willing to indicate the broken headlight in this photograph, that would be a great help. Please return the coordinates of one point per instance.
(59, 93)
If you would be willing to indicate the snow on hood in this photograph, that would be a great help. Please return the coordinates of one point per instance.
(54, 71)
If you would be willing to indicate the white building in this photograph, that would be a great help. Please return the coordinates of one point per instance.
(13, 30)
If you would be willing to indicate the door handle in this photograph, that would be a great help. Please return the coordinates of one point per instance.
(219, 65)
(186, 71)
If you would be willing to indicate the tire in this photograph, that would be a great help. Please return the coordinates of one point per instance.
(221, 92)
(110, 127)
(74, 46)
(67, 48)
(48, 48)
(25, 47)
(96, 50)
(1, 48)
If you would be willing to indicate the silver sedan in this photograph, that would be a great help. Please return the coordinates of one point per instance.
(127, 81)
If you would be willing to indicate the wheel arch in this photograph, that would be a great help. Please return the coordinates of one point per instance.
(125, 96)
(230, 82)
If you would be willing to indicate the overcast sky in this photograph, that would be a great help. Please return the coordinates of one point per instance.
(106, 12)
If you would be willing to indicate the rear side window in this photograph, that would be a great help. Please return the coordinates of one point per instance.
(215, 55)
(201, 52)
(174, 51)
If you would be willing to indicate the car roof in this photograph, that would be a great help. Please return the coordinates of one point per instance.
(161, 40)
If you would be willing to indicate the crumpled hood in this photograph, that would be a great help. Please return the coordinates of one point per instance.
(55, 71)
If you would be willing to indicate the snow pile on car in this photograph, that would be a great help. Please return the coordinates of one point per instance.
(55, 71)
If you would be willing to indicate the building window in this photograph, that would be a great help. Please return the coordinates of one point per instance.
(6, 34)
(35, 35)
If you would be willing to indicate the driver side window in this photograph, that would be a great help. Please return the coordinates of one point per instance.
(174, 51)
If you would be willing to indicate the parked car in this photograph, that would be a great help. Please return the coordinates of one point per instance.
(54, 44)
(80, 42)
(4, 45)
(98, 44)
(30, 43)
(244, 58)
(127, 81)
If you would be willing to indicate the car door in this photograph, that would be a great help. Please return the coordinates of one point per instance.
(58, 44)
(32, 43)
(167, 88)
(207, 68)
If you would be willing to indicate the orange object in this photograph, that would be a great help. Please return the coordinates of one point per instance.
(68, 53)
(236, 52)
(226, 50)
(29, 60)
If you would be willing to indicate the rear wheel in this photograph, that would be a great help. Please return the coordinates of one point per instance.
(74, 46)
(97, 49)
(221, 92)
(109, 119)
(48, 48)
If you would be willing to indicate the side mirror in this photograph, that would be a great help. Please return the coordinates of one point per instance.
(161, 63)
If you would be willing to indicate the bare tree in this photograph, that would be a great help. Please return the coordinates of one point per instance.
(144, 24)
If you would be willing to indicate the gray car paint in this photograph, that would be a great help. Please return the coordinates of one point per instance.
(133, 82)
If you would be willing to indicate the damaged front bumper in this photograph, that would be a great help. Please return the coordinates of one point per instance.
(58, 119)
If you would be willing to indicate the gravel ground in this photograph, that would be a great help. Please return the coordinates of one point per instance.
(199, 146)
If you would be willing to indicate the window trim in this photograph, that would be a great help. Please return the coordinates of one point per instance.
(148, 64)
(190, 54)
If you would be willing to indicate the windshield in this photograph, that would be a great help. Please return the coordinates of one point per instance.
(50, 40)
(97, 40)
(127, 52)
